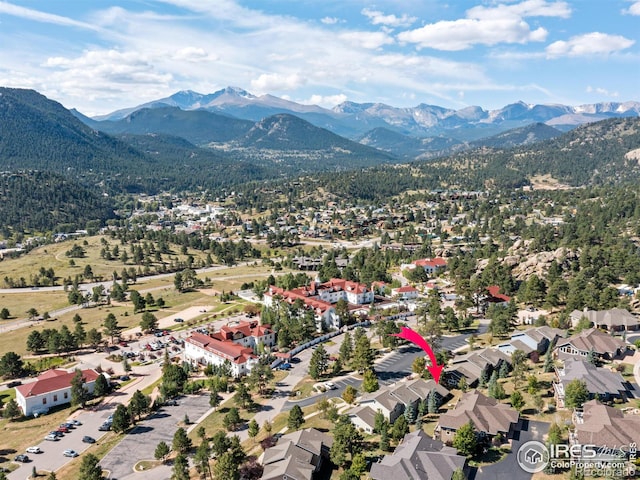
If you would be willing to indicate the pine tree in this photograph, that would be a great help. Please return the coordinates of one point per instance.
(181, 442)
(370, 381)
(253, 428)
(296, 418)
(433, 402)
(465, 440)
(411, 413)
(548, 362)
(161, 452)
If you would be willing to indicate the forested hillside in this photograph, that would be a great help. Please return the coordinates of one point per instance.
(43, 202)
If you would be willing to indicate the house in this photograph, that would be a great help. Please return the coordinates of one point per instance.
(393, 400)
(474, 364)
(602, 382)
(603, 426)
(406, 292)
(494, 297)
(489, 417)
(602, 344)
(51, 388)
(616, 319)
(419, 457)
(537, 339)
(249, 334)
(431, 265)
(201, 349)
(297, 456)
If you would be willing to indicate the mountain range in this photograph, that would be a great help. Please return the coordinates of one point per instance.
(354, 120)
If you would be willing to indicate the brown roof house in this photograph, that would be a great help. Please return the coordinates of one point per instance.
(616, 319)
(536, 339)
(419, 457)
(602, 344)
(604, 426)
(488, 416)
(600, 381)
(297, 456)
(392, 401)
(473, 364)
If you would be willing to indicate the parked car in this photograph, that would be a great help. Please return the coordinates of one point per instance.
(57, 433)
(105, 427)
(34, 450)
(88, 439)
(178, 320)
(171, 402)
(51, 437)
(68, 425)
(22, 458)
(124, 378)
(15, 383)
(284, 366)
(63, 429)
(330, 386)
(70, 453)
(77, 423)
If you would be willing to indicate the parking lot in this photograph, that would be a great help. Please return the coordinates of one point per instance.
(141, 442)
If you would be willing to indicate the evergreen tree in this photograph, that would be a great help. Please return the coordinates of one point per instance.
(180, 470)
(370, 381)
(380, 423)
(349, 394)
(101, 386)
(400, 428)
(12, 410)
(384, 439)
(296, 418)
(465, 440)
(181, 442)
(346, 349)
(433, 402)
(517, 401)
(231, 420)
(253, 428)
(79, 393)
(363, 354)
(161, 452)
(121, 419)
(226, 468)
(575, 394)
(318, 363)
(548, 362)
(89, 468)
(411, 413)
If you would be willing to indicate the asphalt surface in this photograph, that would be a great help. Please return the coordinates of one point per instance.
(393, 367)
(508, 468)
(141, 442)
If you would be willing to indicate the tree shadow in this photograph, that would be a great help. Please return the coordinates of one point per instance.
(140, 429)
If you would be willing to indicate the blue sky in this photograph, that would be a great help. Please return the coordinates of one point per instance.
(98, 56)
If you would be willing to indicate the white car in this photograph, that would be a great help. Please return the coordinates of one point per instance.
(34, 450)
(70, 453)
(330, 386)
(51, 437)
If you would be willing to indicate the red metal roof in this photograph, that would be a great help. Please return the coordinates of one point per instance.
(53, 380)
(234, 352)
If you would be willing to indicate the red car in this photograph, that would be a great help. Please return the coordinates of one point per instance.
(63, 429)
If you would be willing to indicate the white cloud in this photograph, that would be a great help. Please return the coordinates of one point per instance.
(193, 54)
(329, 20)
(43, 17)
(379, 18)
(327, 101)
(369, 40)
(594, 43)
(634, 9)
(602, 91)
(503, 23)
(277, 82)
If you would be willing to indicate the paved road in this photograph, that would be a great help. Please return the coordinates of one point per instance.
(508, 468)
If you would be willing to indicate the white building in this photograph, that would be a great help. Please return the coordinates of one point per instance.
(201, 349)
(51, 388)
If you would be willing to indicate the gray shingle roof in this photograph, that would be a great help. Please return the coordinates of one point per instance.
(486, 413)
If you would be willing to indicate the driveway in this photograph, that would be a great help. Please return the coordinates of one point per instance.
(508, 468)
(141, 442)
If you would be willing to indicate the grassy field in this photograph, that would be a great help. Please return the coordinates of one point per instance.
(19, 303)
(54, 256)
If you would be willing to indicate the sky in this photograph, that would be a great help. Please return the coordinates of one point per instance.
(102, 55)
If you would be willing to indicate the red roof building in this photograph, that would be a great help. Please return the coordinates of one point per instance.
(51, 388)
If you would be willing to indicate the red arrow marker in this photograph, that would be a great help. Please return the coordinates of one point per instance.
(415, 337)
